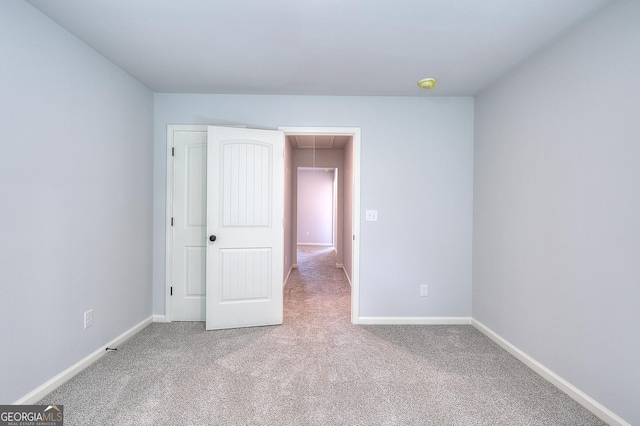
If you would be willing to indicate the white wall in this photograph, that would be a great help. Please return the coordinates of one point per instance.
(416, 170)
(330, 158)
(557, 208)
(315, 206)
(75, 221)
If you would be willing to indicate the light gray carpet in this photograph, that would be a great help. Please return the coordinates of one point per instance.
(315, 369)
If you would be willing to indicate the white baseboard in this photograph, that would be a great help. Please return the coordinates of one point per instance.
(576, 394)
(344, 271)
(159, 318)
(415, 320)
(43, 390)
(287, 277)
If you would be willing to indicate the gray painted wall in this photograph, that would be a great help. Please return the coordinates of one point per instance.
(556, 266)
(417, 162)
(556, 235)
(76, 173)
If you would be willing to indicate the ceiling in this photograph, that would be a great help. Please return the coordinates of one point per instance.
(318, 141)
(317, 47)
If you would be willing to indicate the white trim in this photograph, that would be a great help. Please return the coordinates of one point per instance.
(415, 320)
(287, 277)
(159, 318)
(355, 262)
(344, 271)
(58, 380)
(576, 394)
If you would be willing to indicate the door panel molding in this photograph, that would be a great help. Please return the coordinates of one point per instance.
(245, 213)
(172, 129)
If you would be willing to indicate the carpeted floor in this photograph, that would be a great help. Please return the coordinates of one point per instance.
(315, 369)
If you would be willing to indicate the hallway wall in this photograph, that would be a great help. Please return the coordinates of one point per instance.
(315, 206)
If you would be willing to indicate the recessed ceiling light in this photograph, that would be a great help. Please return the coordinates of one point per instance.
(427, 83)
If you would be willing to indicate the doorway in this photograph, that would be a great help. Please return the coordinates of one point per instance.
(347, 225)
(327, 148)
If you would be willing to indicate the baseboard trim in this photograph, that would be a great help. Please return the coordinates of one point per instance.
(576, 394)
(344, 271)
(43, 390)
(159, 318)
(414, 320)
(287, 277)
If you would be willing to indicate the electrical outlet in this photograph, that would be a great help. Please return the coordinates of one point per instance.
(424, 290)
(88, 318)
(371, 216)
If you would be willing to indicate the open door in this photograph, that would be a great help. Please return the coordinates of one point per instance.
(245, 231)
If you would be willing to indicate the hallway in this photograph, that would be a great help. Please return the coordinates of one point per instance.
(317, 291)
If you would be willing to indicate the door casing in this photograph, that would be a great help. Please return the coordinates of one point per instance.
(354, 132)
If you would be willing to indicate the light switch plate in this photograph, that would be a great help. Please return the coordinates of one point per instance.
(424, 290)
(371, 216)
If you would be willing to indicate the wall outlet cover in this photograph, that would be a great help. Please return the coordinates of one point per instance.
(88, 318)
(371, 216)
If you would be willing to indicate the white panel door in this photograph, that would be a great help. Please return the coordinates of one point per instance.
(245, 213)
(189, 225)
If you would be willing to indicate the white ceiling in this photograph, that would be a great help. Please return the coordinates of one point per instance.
(317, 47)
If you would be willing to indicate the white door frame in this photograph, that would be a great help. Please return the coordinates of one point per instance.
(355, 254)
(355, 278)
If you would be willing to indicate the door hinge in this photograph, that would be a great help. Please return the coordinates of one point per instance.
(171, 291)
(171, 221)
(354, 238)
(173, 152)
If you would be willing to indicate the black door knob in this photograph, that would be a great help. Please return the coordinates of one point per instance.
(212, 238)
